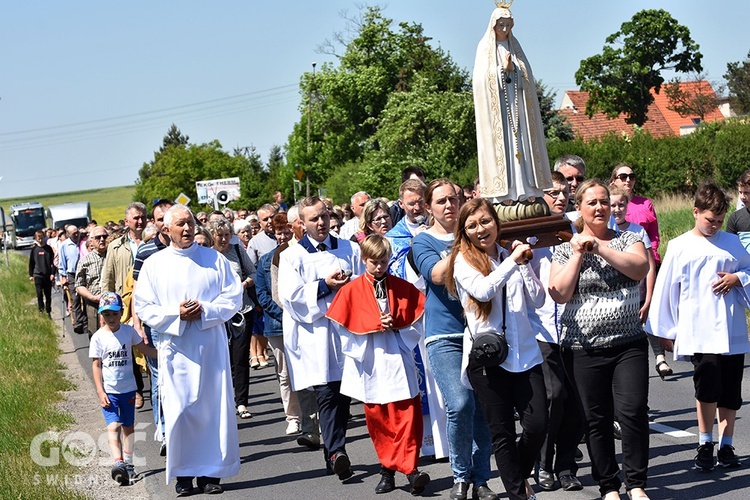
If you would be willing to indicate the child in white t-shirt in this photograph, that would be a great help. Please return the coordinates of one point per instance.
(111, 351)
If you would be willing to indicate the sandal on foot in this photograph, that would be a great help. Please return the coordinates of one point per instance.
(663, 372)
(254, 364)
(243, 412)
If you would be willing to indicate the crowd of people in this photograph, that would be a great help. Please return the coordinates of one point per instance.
(414, 309)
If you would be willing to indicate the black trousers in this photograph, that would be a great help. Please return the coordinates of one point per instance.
(333, 413)
(614, 381)
(500, 391)
(239, 357)
(43, 293)
(566, 424)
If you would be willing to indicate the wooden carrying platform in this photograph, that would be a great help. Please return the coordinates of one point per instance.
(544, 229)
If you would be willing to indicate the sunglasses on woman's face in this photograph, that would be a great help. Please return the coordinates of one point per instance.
(624, 177)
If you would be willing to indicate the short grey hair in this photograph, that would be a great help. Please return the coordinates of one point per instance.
(292, 215)
(217, 225)
(572, 160)
(135, 205)
(240, 224)
(267, 208)
(169, 215)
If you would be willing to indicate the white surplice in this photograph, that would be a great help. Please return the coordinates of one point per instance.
(379, 368)
(684, 307)
(195, 375)
(313, 348)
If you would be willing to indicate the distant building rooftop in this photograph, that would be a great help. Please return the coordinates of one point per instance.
(661, 122)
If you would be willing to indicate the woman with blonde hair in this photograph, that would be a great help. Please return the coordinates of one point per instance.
(604, 347)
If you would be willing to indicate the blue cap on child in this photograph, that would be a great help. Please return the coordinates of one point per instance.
(110, 301)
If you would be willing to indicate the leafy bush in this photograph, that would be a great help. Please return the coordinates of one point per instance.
(719, 151)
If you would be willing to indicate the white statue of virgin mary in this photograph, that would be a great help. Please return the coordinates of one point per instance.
(513, 162)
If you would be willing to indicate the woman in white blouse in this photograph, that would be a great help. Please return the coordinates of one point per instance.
(494, 287)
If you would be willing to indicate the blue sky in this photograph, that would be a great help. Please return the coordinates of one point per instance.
(89, 88)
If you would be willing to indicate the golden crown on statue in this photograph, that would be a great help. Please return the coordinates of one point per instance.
(504, 4)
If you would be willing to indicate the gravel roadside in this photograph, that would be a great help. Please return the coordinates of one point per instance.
(91, 474)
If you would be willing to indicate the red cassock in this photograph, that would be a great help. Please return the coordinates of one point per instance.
(395, 428)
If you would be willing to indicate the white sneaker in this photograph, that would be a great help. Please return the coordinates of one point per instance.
(293, 427)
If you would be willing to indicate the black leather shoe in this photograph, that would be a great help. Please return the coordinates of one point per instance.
(184, 487)
(568, 482)
(387, 481)
(545, 479)
(209, 485)
(484, 493)
(341, 466)
(460, 491)
(418, 480)
(213, 489)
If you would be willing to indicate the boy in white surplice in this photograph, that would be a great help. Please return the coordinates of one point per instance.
(377, 316)
(698, 311)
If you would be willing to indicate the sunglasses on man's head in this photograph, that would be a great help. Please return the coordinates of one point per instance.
(624, 177)
(578, 178)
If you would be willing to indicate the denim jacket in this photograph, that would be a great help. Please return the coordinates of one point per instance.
(271, 310)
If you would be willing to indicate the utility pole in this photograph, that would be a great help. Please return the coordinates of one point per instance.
(309, 117)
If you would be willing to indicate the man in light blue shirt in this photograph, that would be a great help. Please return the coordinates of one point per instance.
(68, 264)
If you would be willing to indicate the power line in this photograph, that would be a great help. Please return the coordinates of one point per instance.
(153, 122)
(114, 118)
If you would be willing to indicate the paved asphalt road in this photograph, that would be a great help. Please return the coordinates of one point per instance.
(273, 466)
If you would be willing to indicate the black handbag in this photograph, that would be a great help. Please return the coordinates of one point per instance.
(490, 348)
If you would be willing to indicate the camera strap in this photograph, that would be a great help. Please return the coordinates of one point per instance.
(505, 302)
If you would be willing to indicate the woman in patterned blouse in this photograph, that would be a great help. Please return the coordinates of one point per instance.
(604, 347)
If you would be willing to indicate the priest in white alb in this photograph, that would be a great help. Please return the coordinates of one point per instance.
(188, 292)
(310, 274)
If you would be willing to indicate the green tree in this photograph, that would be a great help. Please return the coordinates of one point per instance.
(345, 102)
(425, 127)
(620, 79)
(279, 177)
(177, 168)
(556, 126)
(173, 138)
(255, 190)
(738, 83)
(698, 100)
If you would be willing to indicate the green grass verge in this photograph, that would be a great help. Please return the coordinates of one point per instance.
(29, 389)
(106, 203)
(675, 218)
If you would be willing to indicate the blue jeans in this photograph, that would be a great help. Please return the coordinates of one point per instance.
(153, 366)
(469, 443)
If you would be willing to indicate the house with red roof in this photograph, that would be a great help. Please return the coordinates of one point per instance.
(661, 122)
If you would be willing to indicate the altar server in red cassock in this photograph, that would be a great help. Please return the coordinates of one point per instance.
(377, 316)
